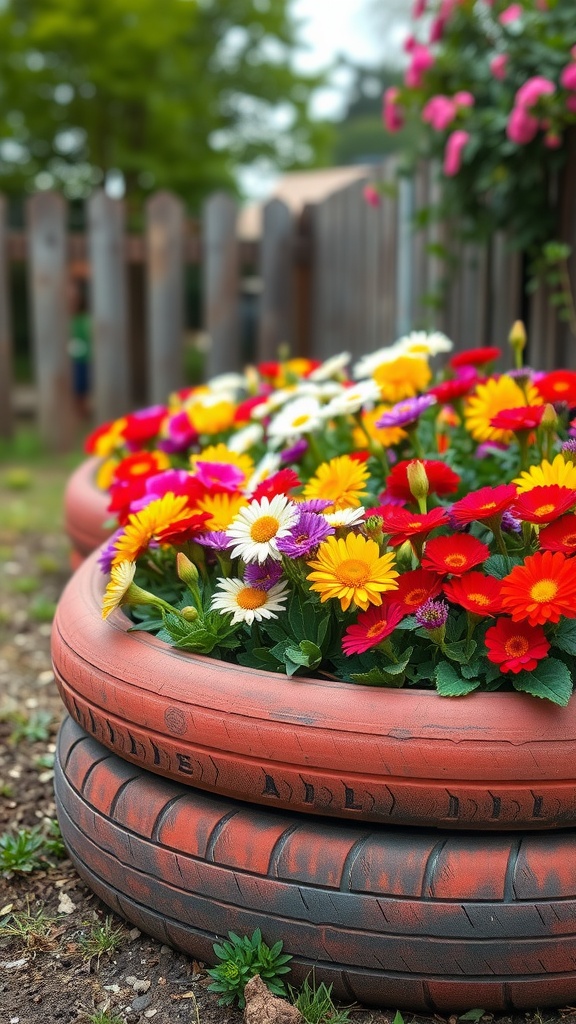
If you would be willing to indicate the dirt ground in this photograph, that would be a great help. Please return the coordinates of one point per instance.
(52, 966)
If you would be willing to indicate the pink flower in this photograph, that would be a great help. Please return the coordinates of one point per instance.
(371, 195)
(568, 77)
(419, 8)
(529, 93)
(573, 52)
(453, 152)
(422, 59)
(392, 111)
(552, 140)
(409, 44)
(437, 30)
(464, 99)
(511, 14)
(498, 66)
(439, 112)
(521, 127)
(571, 104)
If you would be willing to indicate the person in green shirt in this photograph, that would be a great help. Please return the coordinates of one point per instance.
(80, 343)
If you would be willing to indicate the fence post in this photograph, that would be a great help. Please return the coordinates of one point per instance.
(48, 289)
(165, 295)
(6, 376)
(110, 358)
(404, 271)
(277, 274)
(221, 273)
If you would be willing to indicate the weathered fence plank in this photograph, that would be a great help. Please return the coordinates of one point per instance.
(277, 276)
(221, 281)
(505, 292)
(46, 212)
(165, 295)
(110, 356)
(6, 377)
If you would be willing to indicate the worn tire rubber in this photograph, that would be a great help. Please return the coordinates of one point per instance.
(407, 757)
(85, 512)
(407, 918)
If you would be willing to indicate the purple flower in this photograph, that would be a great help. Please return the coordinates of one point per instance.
(217, 539)
(509, 523)
(108, 552)
(263, 576)
(295, 451)
(406, 412)
(308, 531)
(432, 614)
(315, 505)
(569, 446)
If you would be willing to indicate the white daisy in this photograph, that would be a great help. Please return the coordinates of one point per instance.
(247, 603)
(352, 399)
(256, 528)
(269, 464)
(246, 438)
(345, 516)
(297, 418)
(420, 343)
(330, 367)
(366, 366)
(228, 382)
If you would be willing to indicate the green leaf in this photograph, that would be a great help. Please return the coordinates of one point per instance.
(450, 683)
(565, 636)
(474, 1015)
(550, 680)
(501, 565)
(461, 651)
(307, 654)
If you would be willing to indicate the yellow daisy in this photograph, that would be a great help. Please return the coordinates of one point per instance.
(352, 569)
(492, 397)
(342, 480)
(110, 439)
(211, 414)
(402, 378)
(105, 473)
(386, 436)
(557, 472)
(222, 508)
(221, 453)
(142, 526)
(121, 577)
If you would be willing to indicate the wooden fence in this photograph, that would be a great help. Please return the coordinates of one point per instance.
(340, 275)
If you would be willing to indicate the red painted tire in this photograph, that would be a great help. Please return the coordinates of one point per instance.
(392, 917)
(408, 757)
(85, 512)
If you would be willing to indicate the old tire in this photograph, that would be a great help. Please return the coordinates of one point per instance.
(408, 757)
(391, 917)
(85, 512)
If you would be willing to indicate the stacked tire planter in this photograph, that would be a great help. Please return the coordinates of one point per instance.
(415, 851)
(85, 511)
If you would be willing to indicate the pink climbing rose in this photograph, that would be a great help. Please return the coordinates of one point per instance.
(439, 112)
(521, 127)
(453, 152)
(510, 14)
(392, 111)
(464, 99)
(421, 61)
(498, 66)
(371, 195)
(568, 77)
(532, 90)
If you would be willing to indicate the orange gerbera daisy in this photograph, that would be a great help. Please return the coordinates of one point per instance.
(342, 481)
(142, 526)
(352, 569)
(475, 592)
(542, 589)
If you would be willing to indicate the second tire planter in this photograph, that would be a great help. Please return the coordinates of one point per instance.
(409, 757)
(409, 918)
(85, 511)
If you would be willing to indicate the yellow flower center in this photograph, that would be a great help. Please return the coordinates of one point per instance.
(416, 596)
(544, 510)
(560, 386)
(352, 572)
(300, 421)
(456, 561)
(264, 529)
(516, 646)
(251, 597)
(488, 506)
(569, 540)
(544, 591)
(480, 599)
(414, 526)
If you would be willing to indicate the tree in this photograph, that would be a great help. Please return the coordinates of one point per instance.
(174, 94)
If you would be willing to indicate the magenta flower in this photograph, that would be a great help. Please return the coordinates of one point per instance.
(521, 127)
(511, 14)
(295, 451)
(568, 77)
(439, 112)
(421, 61)
(532, 90)
(571, 104)
(464, 99)
(391, 111)
(453, 152)
(419, 8)
(180, 433)
(217, 539)
(371, 195)
(220, 474)
(498, 66)
(552, 140)
(307, 533)
(404, 413)
(108, 552)
(437, 30)
(432, 614)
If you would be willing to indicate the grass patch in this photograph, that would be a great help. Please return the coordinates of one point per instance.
(102, 939)
(30, 929)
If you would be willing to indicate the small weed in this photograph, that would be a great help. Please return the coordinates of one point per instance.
(316, 1004)
(242, 958)
(21, 852)
(103, 1017)
(30, 929)
(42, 610)
(101, 939)
(48, 564)
(17, 479)
(53, 842)
(44, 761)
(34, 728)
(6, 790)
(24, 585)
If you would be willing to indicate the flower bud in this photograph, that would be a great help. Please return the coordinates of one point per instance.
(373, 527)
(186, 569)
(517, 336)
(417, 480)
(189, 613)
(549, 419)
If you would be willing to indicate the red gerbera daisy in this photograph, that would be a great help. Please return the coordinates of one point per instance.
(404, 524)
(542, 589)
(184, 529)
(145, 424)
(483, 504)
(279, 483)
(475, 356)
(372, 626)
(559, 536)
(475, 592)
(441, 479)
(414, 588)
(141, 464)
(516, 646)
(456, 554)
(448, 390)
(244, 409)
(527, 417)
(544, 504)
(558, 386)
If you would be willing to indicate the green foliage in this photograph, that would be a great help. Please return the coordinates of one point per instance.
(33, 728)
(77, 102)
(101, 939)
(316, 1004)
(550, 680)
(243, 957)
(28, 850)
